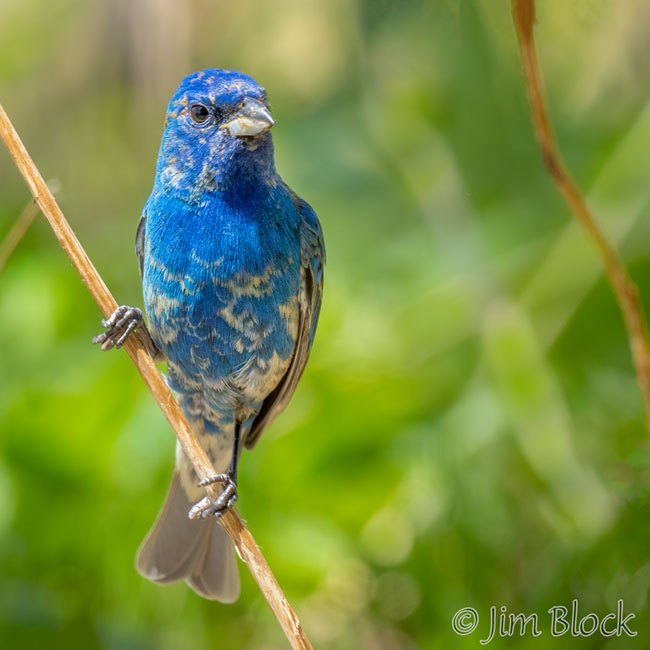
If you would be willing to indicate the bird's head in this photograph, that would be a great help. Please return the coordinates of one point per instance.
(216, 134)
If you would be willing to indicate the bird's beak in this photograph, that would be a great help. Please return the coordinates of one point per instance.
(251, 119)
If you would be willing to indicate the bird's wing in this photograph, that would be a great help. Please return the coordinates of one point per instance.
(140, 241)
(311, 293)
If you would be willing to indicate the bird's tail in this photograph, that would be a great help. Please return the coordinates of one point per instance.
(197, 551)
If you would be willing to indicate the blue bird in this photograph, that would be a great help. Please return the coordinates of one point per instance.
(232, 272)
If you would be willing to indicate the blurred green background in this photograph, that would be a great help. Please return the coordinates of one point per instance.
(468, 432)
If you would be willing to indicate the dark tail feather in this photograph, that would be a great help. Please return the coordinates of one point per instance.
(179, 548)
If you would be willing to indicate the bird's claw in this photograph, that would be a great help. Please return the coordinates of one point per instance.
(206, 508)
(121, 323)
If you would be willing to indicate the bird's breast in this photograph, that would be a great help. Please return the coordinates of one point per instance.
(222, 303)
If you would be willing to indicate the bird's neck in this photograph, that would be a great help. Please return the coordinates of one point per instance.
(244, 168)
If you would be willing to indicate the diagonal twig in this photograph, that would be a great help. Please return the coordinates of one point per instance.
(626, 292)
(230, 520)
(17, 232)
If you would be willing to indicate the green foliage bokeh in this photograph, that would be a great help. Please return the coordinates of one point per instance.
(469, 431)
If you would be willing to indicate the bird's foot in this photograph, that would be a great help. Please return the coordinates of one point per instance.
(206, 508)
(121, 323)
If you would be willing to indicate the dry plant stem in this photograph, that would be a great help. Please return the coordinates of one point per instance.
(17, 232)
(625, 290)
(231, 521)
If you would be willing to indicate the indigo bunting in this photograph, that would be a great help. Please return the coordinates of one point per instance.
(232, 273)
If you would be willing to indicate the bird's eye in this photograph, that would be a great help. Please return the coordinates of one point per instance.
(199, 114)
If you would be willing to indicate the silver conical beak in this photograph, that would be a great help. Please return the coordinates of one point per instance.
(251, 119)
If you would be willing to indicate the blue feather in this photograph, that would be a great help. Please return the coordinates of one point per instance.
(232, 271)
(227, 248)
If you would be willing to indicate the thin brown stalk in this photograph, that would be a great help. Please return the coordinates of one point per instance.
(626, 292)
(17, 232)
(231, 521)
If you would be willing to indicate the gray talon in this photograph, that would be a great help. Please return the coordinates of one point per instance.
(217, 478)
(119, 326)
(226, 500)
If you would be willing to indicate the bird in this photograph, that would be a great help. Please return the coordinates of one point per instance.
(231, 262)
